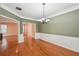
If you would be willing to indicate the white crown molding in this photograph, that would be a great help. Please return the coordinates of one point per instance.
(64, 11)
(9, 18)
(8, 9)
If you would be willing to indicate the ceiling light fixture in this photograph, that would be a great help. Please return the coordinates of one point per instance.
(43, 19)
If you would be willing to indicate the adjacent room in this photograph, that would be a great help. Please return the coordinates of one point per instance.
(39, 29)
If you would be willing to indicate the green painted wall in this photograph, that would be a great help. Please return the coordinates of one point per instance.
(8, 14)
(65, 24)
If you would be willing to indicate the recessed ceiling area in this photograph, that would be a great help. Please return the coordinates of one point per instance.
(34, 11)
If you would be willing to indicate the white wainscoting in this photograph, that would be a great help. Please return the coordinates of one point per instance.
(37, 35)
(71, 43)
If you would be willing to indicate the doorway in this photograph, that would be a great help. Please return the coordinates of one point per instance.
(9, 29)
(29, 30)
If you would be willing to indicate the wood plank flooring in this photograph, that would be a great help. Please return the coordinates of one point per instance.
(37, 48)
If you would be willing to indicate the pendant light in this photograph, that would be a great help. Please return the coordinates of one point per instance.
(43, 20)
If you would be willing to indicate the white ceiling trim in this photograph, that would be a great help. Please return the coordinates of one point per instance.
(9, 18)
(60, 13)
(8, 9)
(65, 11)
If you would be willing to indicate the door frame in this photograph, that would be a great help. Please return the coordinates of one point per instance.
(18, 23)
(27, 23)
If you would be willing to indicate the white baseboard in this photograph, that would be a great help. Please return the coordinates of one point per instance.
(71, 43)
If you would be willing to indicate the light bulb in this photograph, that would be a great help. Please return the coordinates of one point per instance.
(43, 19)
(40, 20)
(47, 20)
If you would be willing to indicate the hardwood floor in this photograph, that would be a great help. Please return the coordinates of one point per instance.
(52, 49)
(37, 48)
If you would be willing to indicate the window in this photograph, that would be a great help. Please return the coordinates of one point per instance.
(4, 29)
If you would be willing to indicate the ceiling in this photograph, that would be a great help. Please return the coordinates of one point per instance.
(34, 11)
